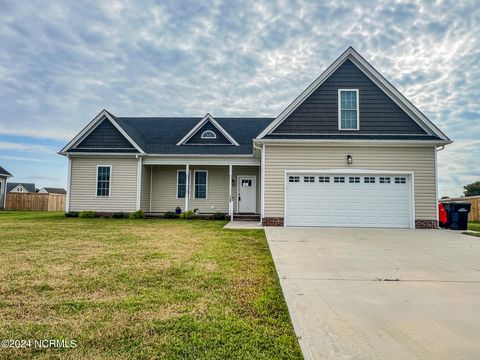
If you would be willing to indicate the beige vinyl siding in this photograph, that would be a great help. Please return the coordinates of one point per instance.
(420, 160)
(84, 180)
(245, 170)
(145, 189)
(164, 188)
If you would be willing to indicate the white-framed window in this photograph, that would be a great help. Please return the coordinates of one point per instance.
(309, 179)
(181, 184)
(369, 179)
(384, 180)
(200, 184)
(294, 179)
(400, 180)
(104, 180)
(208, 134)
(354, 180)
(338, 179)
(324, 179)
(348, 109)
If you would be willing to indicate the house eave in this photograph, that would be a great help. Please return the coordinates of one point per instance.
(337, 142)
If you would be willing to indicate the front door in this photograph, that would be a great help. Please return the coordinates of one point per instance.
(247, 194)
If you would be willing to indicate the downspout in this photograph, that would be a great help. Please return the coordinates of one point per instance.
(262, 180)
(139, 182)
(437, 149)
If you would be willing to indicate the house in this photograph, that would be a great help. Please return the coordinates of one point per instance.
(4, 175)
(51, 190)
(349, 151)
(21, 188)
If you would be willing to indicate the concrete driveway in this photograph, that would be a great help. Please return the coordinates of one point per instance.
(346, 303)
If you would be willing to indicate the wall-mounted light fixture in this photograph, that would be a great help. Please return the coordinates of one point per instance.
(349, 160)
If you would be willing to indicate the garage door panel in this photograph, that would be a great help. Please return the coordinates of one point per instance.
(360, 201)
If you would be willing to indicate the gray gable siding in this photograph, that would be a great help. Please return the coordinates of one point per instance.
(196, 139)
(378, 113)
(105, 136)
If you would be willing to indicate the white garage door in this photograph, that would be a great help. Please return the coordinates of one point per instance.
(348, 200)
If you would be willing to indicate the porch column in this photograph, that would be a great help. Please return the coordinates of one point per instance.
(187, 185)
(230, 198)
(139, 182)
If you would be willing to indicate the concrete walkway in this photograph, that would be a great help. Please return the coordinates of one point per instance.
(243, 225)
(380, 294)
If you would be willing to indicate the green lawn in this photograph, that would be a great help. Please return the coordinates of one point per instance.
(126, 289)
(474, 225)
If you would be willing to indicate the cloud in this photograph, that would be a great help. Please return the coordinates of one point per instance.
(61, 66)
(20, 147)
(20, 158)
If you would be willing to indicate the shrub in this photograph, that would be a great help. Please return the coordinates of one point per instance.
(72, 214)
(118, 215)
(139, 214)
(87, 214)
(171, 215)
(190, 214)
(219, 216)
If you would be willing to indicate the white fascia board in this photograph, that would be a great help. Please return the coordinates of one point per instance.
(201, 161)
(202, 122)
(337, 142)
(91, 126)
(376, 77)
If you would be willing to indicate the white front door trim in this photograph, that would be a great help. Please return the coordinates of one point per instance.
(254, 187)
(352, 171)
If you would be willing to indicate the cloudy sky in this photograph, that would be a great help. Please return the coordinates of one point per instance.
(62, 62)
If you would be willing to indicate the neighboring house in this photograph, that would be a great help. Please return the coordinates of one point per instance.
(21, 188)
(349, 151)
(50, 190)
(4, 175)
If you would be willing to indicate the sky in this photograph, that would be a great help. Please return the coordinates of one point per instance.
(61, 63)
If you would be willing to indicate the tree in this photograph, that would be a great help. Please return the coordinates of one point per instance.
(472, 189)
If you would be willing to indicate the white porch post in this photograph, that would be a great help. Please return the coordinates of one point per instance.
(230, 198)
(151, 187)
(187, 185)
(139, 182)
(262, 187)
(69, 180)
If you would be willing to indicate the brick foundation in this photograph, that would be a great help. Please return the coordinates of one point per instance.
(272, 221)
(426, 224)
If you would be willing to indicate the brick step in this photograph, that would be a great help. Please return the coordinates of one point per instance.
(246, 217)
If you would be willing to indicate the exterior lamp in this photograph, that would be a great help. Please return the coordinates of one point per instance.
(349, 160)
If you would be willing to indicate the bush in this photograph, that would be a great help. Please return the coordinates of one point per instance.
(87, 214)
(219, 216)
(118, 215)
(139, 214)
(171, 215)
(190, 214)
(72, 214)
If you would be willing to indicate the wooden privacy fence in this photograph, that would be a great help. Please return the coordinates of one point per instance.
(474, 211)
(36, 202)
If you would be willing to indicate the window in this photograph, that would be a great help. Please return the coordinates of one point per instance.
(324, 179)
(200, 184)
(309, 179)
(384, 180)
(348, 109)
(338, 179)
(294, 179)
(369, 180)
(208, 134)
(246, 183)
(103, 180)
(181, 184)
(354, 180)
(400, 180)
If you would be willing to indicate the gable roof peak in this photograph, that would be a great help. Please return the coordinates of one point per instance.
(203, 121)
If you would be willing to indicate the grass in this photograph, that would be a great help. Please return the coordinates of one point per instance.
(474, 225)
(139, 289)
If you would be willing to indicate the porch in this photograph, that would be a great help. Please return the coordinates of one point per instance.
(231, 189)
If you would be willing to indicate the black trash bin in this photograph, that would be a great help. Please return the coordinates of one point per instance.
(457, 215)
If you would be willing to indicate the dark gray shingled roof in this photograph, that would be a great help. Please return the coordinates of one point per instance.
(160, 135)
(4, 172)
(29, 186)
(51, 190)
